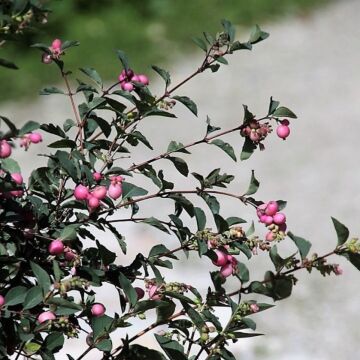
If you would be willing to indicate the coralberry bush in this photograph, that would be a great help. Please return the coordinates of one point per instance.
(49, 279)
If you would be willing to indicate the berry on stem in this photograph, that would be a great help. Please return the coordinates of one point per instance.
(98, 310)
(46, 316)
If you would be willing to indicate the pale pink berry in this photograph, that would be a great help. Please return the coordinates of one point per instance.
(267, 220)
(279, 218)
(338, 270)
(261, 210)
(93, 202)
(115, 191)
(73, 271)
(97, 176)
(135, 78)
(46, 316)
(127, 86)
(153, 295)
(139, 292)
(270, 236)
(46, 59)
(35, 137)
(5, 149)
(283, 131)
(98, 310)
(272, 208)
(56, 247)
(254, 136)
(69, 255)
(221, 258)
(254, 308)
(17, 177)
(227, 270)
(143, 79)
(56, 45)
(99, 192)
(2, 301)
(81, 192)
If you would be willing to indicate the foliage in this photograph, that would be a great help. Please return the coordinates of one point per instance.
(49, 279)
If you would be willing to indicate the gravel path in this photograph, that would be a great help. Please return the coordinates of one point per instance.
(312, 66)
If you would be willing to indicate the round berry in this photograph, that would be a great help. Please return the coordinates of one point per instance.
(56, 44)
(97, 176)
(35, 137)
(153, 295)
(272, 208)
(98, 310)
(227, 270)
(17, 177)
(283, 131)
(93, 202)
(139, 292)
(221, 258)
(45, 316)
(56, 247)
(2, 301)
(5, 149)
(135, 78)
(81, 192)
(115, 191)
(127, 86)
(279, 218)
(99, 192)
(143, 79)
(270, 236)
(46, 59)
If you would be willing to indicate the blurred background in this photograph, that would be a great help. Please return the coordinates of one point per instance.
(310, 63)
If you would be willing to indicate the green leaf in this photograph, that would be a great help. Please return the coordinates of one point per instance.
(180, 165)
(9, 124)
(341, 230)
(123, 58)
(200, 43)
(104, 345)
(92, 74)
(28, 127)
(225, 147)
(233, 220)
(241, 335)
(253, 186)
(15, 295)
(138, 352)
(243, 273)
(257, 35)
(176, 147)
(188, 103)
(54, 342)
(142, 306)
(353, 258)
(163, 73)
(156, 223)
(51, 90)
(229, 29)
(302, 244)
(172, 348)
(247, 149)
(8, 64)
(128, 289)
(164, 312)
(69, 232)
(107, 256)
(273, 106)
(101, 326)
(282, 111)
(69, 43)
(195, 317)
(131, 190)
(10, 165)
(212, 202)
(200, 218)
(42, 276)
(221, 223)
(249, 323)
(65, 143)
(64, 303)
(34, 296)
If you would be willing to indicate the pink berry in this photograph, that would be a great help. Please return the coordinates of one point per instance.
(115, 191)
(270, 236)
(283, 131)
(127, 86)
(153, 295)
(139, 292)
(56, 44)
(338, 270)
(98, 310)
(227, 270)
(97, 176)
(16, 193)
(93, 202)
(254, 136)
(143, 79)
(135, 78)
(99, 192)
(266, 219)
(81, 192)
(5, 149)
(285, 122)
(2, 301)
(221, 258)
(56, 247)
(35, 137)
(69, 255)
(272, 208)
(254, 308)
(17, 177)
(46, 59)
(261, 210)
(279, 218)
(122, 77)
(45, 316)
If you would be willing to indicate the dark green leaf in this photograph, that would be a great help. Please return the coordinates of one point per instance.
(54, 342)
(8, 64)
(65, 143)
(253, 186)
(163, 73)
(273, 106)
(172, 348)
(282, 111)
(200, 218)
(302, 244)
(163, 312)
(180, 165)
(176, 147)
(92, 74)
(131, 190)
(28, 127)
(247, 150)
(156, 223)
(188, 103)
(123, 58)
(128, 289)
(200, 43)
(235, 220)
(15, 295)
(225, 147)
(257, 35)
(42, 276)
(34, 296)
(51, 90)
(341, 230)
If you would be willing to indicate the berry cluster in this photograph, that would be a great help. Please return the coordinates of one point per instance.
(93, 197)
(269, 215)
(55, 52)
(31, 138)
(128, 79)
(256, 131)
(226, 262)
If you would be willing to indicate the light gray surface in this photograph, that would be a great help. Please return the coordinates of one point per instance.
(312, 66)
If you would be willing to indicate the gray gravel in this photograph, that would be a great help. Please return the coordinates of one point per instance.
(311, 65)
